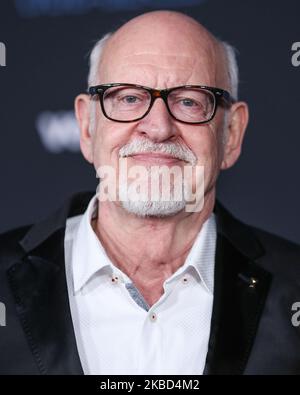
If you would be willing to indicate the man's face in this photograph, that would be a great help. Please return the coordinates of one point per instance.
(160, 58)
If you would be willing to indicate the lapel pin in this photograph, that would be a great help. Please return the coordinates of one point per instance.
(251, 281)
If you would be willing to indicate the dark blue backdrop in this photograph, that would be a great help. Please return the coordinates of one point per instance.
(46, 65)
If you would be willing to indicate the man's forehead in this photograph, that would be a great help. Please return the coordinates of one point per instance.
(161, 39)
(186, 50)
(146, 67)
(158, 57)
(155, 58)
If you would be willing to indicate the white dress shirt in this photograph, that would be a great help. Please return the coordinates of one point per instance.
(116, 332)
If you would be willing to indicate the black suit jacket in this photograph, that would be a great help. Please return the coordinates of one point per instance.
(257, 280)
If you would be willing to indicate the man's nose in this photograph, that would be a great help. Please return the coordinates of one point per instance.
(158, 125)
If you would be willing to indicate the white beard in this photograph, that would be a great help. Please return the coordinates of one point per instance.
(145, 205)
(155, 208)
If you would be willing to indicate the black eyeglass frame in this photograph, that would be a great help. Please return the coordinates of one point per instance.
(220, 95)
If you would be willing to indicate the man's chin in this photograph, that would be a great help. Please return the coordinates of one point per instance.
(159, 209)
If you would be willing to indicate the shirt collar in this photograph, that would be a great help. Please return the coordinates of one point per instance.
(202, 255)
(200, 261)
(89, 256)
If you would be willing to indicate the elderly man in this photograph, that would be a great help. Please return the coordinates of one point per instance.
(117, 285)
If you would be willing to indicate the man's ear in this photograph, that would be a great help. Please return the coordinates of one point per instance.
(234, 133)
(82, 111)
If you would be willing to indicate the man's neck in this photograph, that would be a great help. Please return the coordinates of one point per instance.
(149, 250)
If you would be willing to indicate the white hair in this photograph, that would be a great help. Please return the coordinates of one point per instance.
(232, 68)
(95, 57)
(94, 61)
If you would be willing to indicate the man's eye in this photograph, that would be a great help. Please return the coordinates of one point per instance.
(188, 102)
(130, 99)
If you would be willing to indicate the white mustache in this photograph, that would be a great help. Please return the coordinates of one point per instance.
(175, 150)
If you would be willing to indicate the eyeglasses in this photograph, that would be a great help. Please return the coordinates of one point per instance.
(192, 104)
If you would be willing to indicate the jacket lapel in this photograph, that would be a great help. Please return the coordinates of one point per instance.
(38, 283)
(241, 287)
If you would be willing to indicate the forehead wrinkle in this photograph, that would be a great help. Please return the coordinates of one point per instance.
(152, 55)
(159, 77)
(161, 66)
(158, 60)
(168, 74)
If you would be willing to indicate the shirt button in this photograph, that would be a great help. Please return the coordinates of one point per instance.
(153, 317)
(185, 280)
(115, 279)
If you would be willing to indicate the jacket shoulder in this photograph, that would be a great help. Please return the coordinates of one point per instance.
(281, 255)
(276, 242)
